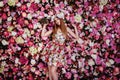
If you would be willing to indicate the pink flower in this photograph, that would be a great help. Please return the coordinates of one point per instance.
(30, 43)
(23, 7)
(69, 61)
(40, 65)
(15, 69)
(6, 33)
(4, 16)
(47, 6)
(30, 77)
(20, 21)
(23, 60)
(43, 1)
(117, 60)
(101, 68)
(62, 5)
(12, 40)
(30, 26)
(68, 75)
(34, 7)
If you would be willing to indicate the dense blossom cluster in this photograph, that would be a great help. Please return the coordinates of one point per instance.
(97, 57)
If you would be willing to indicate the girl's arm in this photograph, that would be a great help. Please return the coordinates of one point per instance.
(45, 33)
(71, 33)
(75, 35)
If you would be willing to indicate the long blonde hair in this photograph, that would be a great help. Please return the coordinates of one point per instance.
(62, 27)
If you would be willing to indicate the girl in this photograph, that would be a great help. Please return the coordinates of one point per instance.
(56, 48)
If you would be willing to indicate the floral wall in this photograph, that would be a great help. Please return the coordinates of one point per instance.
(95, 57)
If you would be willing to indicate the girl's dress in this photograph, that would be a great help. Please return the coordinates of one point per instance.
(54, 52)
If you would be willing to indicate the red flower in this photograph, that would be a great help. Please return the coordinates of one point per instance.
(34, 7)
(23, 60)
(20, 21)
(23, 7)
(4, 16)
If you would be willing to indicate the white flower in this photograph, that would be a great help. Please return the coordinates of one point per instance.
(78, 18)
(4, 42)
(1, 4)
(13, 33)
(40, 47)
(32, 62)
(33, 69)
(27, 32)
(26, 54)
(29, 16)
(10, 28)
(108, 42)
(94, 24)
(19, 40)
(82, 69)
(18, 4)
(60, 15)
(91, 43)
(33, 50)
(24, 36)
(9, 18)
(80, 64)
(65, 2)
(43, 58)
(101, 7)
(11, 2)
(94, 56)
(111, 61)
(3, 63)
(28, 4)
(63, 70)
(103, 2)
(94, 50)
(37, 1)
(36, 25)
(95, 73)
(91, 62)
(108, 64)
(73, 57)
(16, 61)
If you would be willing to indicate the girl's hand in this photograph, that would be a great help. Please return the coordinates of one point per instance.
(79, 40)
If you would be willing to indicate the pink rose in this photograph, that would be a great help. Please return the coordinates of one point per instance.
(69, 61)
(30, 43)
(40, 65)
(34, 7)
(68, 75)
(101, 68)
(20, 21)
(23, 60)
(24, 14)
(30, 26)
(15, 69)
(47, 6)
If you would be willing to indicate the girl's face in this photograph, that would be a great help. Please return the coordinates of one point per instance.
(57, 21)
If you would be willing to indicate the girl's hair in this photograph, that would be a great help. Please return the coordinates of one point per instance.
(62, 27)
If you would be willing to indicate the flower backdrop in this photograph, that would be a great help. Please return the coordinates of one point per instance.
(95, 57)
